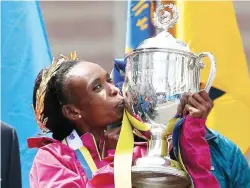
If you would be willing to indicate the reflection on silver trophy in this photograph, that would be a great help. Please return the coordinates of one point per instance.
(158, 72)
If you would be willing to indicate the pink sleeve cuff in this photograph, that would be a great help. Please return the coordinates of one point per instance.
(193, 128)
(195, 152)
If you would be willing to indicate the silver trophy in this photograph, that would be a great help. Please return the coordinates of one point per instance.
(158, 72)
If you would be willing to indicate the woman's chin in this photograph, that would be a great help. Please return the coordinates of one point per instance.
(118, 120)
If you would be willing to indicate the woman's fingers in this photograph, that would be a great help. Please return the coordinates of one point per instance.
(199, 98)
(186, 109)
(192, 111)
(179, 110)
(204, 95)
(183, 102)
(113, 134)
(112, 137)
(196, 105)
(193, 102)
(113, 131)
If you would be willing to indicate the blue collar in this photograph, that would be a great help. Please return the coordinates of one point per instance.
(210, 135)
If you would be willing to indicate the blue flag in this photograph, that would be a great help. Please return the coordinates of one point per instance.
(25, 51)
(139, 28)
(139, 22)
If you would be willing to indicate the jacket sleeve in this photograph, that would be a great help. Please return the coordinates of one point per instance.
(195, 153)
(14, 176)
(48, 171)
(240, 170)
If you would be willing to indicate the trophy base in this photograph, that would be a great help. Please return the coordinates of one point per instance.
(146, 175)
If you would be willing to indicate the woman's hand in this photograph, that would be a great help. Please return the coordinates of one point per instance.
(111, 138)
(197, 105)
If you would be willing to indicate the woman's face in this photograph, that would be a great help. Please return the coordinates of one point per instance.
(93, 95)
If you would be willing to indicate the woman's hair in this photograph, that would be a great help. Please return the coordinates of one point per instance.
(54, 99)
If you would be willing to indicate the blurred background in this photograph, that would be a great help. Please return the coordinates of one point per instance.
(33, 33)
(97, 29)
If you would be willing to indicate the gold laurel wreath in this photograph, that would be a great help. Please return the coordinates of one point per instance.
(40, 94)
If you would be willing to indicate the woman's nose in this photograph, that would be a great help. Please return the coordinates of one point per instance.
(113, 90)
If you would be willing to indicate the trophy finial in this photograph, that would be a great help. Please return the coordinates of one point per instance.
(163, 19)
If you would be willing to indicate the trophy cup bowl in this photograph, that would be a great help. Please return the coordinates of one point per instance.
(158, 72)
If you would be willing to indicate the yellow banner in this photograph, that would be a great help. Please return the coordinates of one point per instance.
(212, 26)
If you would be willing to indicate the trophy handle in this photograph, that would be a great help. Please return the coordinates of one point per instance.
(212, 69)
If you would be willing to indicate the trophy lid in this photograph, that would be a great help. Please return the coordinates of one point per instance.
(164, 20)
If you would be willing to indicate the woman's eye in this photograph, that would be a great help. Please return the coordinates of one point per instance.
(97, 88)
(110, 80)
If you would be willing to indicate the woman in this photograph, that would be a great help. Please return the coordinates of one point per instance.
(76, 100)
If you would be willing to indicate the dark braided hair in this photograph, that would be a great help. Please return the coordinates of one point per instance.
(54, 99)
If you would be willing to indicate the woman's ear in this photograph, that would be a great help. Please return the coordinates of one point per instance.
(71, 112)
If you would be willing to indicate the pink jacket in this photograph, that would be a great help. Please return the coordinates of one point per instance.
(55, 165)
(195, 153)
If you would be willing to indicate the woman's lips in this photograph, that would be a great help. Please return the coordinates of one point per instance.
(120, 104)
